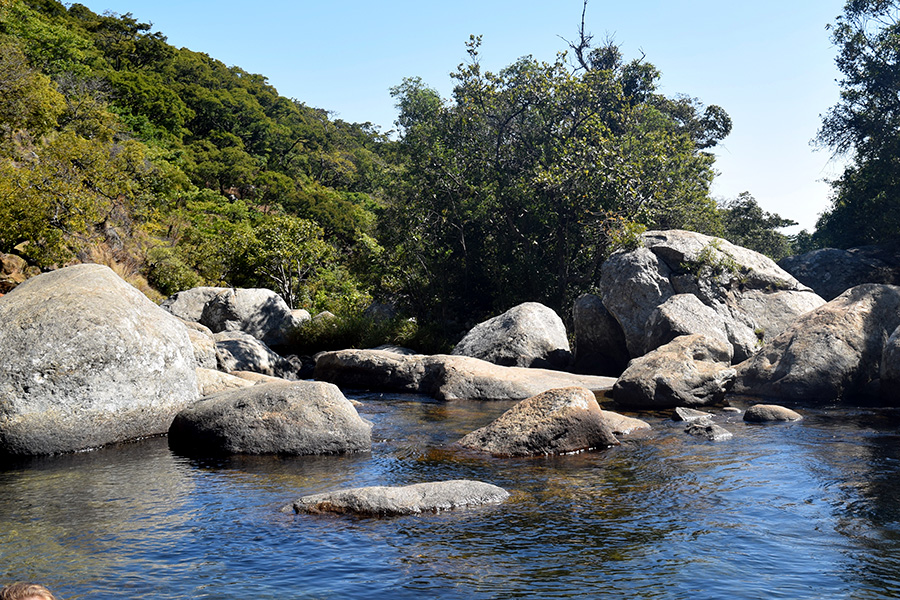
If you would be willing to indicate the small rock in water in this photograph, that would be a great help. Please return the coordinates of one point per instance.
(689, 415)
(708, 430)
(383, 501)
(761, 413)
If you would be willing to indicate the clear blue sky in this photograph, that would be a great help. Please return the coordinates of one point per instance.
(768, 63)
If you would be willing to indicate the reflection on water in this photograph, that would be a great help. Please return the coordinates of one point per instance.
(803, 510)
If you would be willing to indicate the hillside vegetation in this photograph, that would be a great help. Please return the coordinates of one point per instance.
(180, 171)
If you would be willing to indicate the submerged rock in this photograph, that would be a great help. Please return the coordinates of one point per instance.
(300, 417)
(527, 335)
(381, 501)
(557, 421)
(88, 360)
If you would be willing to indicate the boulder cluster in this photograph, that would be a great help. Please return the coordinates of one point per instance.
(683, 321)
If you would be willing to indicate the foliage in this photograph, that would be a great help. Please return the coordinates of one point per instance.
(747, 224)
(866, 125)
(355, 330)
(519, 187)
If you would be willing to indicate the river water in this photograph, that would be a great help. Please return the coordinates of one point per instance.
(804, 510)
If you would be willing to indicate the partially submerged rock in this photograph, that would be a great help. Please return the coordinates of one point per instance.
(831, 353)
(689, 415)
(708, 430)
(890, 368)
(87, 361)
(381, 501)
(691, 370)
(622, 424)
(558, 421)
(761, 413)
(272, 418)
(443, 376)
(527, 335)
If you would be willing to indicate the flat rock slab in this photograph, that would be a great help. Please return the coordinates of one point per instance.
(382, 501)
(445, 377)
(558, 421)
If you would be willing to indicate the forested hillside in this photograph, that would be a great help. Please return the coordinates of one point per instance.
(180, 171)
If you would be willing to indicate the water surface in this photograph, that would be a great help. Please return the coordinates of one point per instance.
(805, 510)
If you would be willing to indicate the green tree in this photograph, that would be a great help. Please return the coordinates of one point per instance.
(865, 125)
(747, 224)
(526, 180)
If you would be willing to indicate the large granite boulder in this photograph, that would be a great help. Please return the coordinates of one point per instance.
(211, 381)
(832, 271)
(558, 421)
(303, 417)
(88, 360)
(383, 501)
(831, 353)
(259, 312)
(599, 341)
(691, 370)
(890, 368)
(527, 335)
(443, 376)
(238, 351)
(753, 299)
(204, 344)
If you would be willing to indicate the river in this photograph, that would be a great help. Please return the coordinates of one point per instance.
(802, 510)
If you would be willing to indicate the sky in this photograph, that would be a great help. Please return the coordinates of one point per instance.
(768, 63)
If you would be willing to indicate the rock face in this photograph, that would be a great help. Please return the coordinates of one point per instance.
(380, 501)
(599, 341)
(557, 421)
(831, 272)
(88, 360)
(750, 297)
(211, 381)
(204, 345)
(762, 413)
(691, 370)
(890, 368)
(831, 353)
(527, 335)
(258, 312)
(238, 351)
(444, 377)
(708, 430)
(272, 418)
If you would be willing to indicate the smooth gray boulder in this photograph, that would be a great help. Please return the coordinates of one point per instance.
(188, 305)
(239, 351)
(527, 335)
(443, 376)
(691, 370)
(259, 312)
(762, 413)
(558, 421)
(890, 368)
(684, 314)
(832, 271)
(88, 360)
(600, 347)
(624, 425)
(753, 299)
(831, 353)
(302, 417)
(382, 501)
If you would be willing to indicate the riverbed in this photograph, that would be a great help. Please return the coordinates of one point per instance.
(799, 510)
